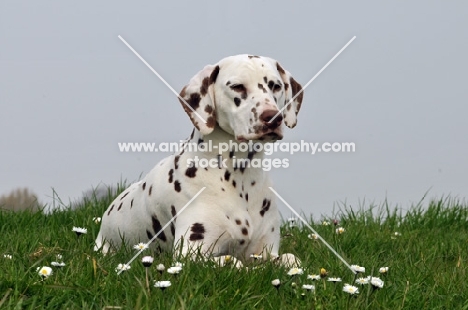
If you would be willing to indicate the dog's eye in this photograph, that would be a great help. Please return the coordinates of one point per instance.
(276, 87)
(238, 88)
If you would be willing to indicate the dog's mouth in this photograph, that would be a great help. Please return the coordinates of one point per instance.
(270, 136)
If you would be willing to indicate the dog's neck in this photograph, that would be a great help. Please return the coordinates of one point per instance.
(232, 155)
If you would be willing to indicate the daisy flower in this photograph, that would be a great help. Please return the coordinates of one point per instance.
(295, 271)
(293, 284)
(350, 289)
(396, 234)
(174, 270)
(147, 261)
(140, 246)
(308, 287)
(362, 281)
(358, 269)
(59, 256)
(325, 223)
(340, 230)
(79, 230)
(376, 282)
(162, 284)
(44, 272)
(97, 220)
(160, 268)
(276, 283)
(334, 280)
(383, 269)
(178, 264)
(57, 264)
(313, 277)
(292, 221)
(122, 267)
(255, 256)
(7, 256)
(312, 236)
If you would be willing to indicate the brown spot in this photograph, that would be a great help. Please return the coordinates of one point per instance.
(265, 79)
(120, 206)
(253, 183)
(211, 122)
(157, 227)
(204, 86)
(241, 241)
(296, 88)
(171, 174)
(198, 228)
(228, 83)
(177, 186)
(272, 229)
(200, 141)
(253, 56)
(111, 208)
(191, 172)
(214, 75)
(144, 186)
(251, 155)
(193, 101)
(222, 188)
(271, 84)
(173, 211)
(131, 204)
(150, 190)
(209, 109)
(247, 223)
(234, 183)
(176, 162)
(172, 229)
(280, 69)
(192, 134)
(244, 231)
(240, 195)
(124, 196)
(227, 175)
(244, 95)
(195, 237)
(265, 206)
(286, 87)
(228, 217)
(246, 197)
(231, 154)
(238, 222)
(149, 234)
(237, 101)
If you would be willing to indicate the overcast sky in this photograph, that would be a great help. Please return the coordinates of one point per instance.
(70, 90)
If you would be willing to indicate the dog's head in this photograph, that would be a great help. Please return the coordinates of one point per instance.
(243, 95)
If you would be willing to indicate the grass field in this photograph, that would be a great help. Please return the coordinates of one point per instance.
(427, 261)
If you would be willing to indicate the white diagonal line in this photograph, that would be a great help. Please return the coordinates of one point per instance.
(313, 230)
(164, 227)
(162, 79)
(312, 79)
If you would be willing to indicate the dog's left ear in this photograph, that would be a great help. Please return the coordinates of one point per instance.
(292, 88)
(199, 95)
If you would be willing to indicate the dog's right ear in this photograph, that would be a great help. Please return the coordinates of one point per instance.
(198, 97)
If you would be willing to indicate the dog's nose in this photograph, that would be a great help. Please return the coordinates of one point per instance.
(269, 115)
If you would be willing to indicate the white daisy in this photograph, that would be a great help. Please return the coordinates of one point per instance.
(59, 256)
(7, 256)
(325, 223)
(162, 284)
(57, 264)
(312, 236)
(122, 267)
(376, 282)
(147, 261)
(174, 270)
(340, 230)
(79, 230)
(313, 277)
(334, 279)
(44, 271)
(178, 264)
(383, 269)
(358, 269)
(140, 246)
(350, 289)
(255, 256)
(362, 281)
(97, 220)
(308, 287)
(160, 268)
(295, 271)
(276, 283)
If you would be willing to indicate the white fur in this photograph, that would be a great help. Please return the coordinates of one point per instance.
(222, 220)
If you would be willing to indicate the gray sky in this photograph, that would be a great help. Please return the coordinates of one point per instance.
(70, 90)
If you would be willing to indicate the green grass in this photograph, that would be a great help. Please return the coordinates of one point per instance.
(427, 265)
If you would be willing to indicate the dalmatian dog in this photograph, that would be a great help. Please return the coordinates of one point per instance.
(236, 215)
